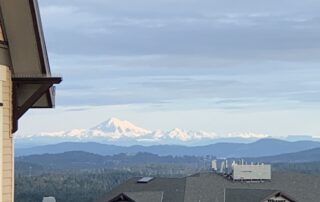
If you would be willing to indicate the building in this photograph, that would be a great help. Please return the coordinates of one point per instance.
(25, 78)
(213, 187)
(251, 172)
(241, 170)
(48, 199)
(256, 195)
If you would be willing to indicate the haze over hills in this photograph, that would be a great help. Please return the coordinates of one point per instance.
(122, 132)
(311, 155)
(79, 159)
(264, 147)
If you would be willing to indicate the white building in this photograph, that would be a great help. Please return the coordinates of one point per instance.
(49, 199)
(251, 172)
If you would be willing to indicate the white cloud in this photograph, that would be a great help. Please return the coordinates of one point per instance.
(170, 54)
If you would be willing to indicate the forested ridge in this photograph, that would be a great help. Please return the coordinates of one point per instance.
(85, 177)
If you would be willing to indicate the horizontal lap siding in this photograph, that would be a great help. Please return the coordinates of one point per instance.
(2, 78)
(6, 137)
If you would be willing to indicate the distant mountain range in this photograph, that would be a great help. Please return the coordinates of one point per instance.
(311, 155)
(303, 161)
(121, 132)
(263, 147)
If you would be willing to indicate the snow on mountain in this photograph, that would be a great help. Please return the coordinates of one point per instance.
(185, 136)
(248, 135)
(116, 130)
(53, 134)
(178, 133)
(76, 133)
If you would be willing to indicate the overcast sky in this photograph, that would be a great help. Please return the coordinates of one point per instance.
(218, 65)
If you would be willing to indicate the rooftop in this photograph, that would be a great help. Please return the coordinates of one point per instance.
(208, 187)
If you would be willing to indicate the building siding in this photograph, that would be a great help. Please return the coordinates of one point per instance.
(6, 141)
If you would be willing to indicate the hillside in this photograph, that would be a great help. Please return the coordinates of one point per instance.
(296, 157)
(85, 160)
(264, 147)
(84, 176)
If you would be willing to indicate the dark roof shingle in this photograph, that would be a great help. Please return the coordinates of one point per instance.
(211, 187)
(247, 195)
(172, 188)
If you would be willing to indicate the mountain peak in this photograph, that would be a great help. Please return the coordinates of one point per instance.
(179, 134)
(115, 121)
(120, 126)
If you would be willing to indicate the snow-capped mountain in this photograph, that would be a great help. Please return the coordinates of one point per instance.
(115, 129)
(119, 126)
(121, 132)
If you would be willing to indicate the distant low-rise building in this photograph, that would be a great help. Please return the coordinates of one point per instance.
(49, 199)
(214, 187)
(251, 172)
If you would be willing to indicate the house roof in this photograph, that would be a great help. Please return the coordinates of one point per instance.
(122, 198)
(23, 28)
(28, 60)
(206, 187)
(145, 196)
(171, 189)
(250, 195)
(211, 187)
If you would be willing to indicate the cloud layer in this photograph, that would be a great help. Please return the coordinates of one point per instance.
(207, 56)
(127, 52)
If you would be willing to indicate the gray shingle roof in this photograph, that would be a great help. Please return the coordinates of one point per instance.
(145, 196)
(172, 188)
(247, 195)
(210, 187)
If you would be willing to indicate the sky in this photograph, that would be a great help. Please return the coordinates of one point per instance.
(224, 66)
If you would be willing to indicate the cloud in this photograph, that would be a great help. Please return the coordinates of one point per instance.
(126, 52)
(216, 28)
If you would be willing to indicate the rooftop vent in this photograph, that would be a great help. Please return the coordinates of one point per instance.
(145, 179)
